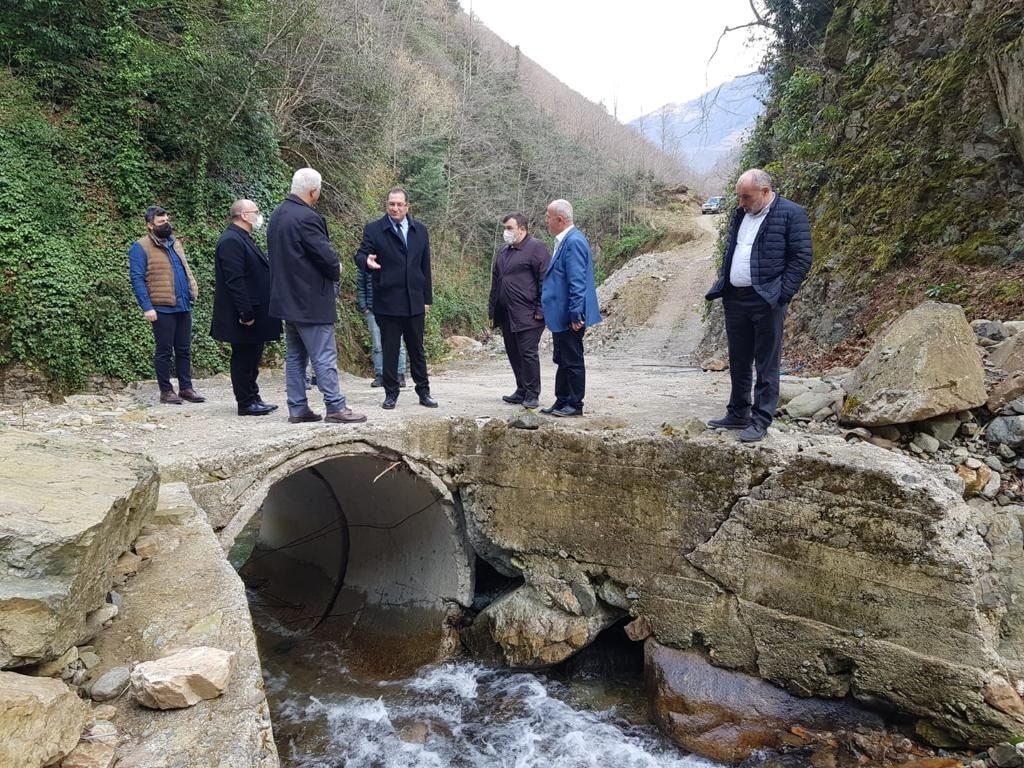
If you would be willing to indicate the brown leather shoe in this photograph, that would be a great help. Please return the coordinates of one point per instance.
(347, 416)
(192, 396)
(307, 416)
(170, 397)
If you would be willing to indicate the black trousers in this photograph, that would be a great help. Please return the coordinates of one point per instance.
(172, 332)
(521, 349)
(245, 367)
(571, 373)
(754, 331)
(394, 328)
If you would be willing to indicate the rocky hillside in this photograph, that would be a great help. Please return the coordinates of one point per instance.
(900, 125)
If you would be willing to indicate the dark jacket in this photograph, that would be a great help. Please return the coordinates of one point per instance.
(781, 255)
(241, 290)
(402, 286)
(364, 290)
(304, 268)
(516, 277)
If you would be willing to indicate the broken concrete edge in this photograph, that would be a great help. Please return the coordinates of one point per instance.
(168, 609)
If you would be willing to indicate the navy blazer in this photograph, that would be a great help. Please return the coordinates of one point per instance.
(569, 293)
(781, 255)
(402, 286)
(241, 290)
(304, 268)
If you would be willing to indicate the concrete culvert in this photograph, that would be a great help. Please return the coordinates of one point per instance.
(367, 549)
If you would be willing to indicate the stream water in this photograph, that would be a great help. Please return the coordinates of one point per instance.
(453, 715)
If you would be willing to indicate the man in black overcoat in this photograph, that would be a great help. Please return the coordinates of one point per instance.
(396, 251)
(241, 300)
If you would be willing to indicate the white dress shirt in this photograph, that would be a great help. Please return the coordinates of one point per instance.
(739, 273)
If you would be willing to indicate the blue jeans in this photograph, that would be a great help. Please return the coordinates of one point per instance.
(376, 354)
(313, 343)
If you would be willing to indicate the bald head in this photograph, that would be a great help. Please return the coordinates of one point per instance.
(246, 214)
(754, 190)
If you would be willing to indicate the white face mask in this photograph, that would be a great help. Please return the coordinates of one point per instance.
(509, 236)
(258, 224)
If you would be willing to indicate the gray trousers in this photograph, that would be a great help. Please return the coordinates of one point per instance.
(313, 343)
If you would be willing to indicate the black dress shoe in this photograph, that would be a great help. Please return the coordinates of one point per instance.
(389, 403)
(268, 406)
(550, 409)
(401, 382)
(729, 422)
(427, 401)
(753, 433)
(567, 410)
(377, 382)
(254, 409)
(530, 403)
(513, 399)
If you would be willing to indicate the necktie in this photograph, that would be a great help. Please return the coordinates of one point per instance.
(401, 233)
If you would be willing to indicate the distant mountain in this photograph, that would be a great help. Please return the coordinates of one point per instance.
(709, 128)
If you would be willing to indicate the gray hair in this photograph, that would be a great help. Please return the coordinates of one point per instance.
(757, 177)
(563, 208)
(305, 180)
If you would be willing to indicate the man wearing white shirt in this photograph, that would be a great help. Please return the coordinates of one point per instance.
(767, 256)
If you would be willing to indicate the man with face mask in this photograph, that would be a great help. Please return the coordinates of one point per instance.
(165, 290)
(514, 305)
(241, 304)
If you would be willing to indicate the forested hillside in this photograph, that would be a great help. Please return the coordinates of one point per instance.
(107, 106)
(900, 125)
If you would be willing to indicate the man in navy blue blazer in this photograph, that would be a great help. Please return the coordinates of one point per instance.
(569, 301)
(396, 251)
(767, 256)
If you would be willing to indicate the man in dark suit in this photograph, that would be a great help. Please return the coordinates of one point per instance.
(767, 256)
(304, 274)
(569, 300)
(396, 251)
(514, 305)
(241, 305)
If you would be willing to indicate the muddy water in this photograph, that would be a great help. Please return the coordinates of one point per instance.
(458, 714)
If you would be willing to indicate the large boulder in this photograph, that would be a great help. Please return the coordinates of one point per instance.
(68, 510)
(926, 364)
(182, 679)
(529, 631)
(40, 720)
(728, 715)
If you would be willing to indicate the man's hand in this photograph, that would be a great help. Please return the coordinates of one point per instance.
(247, 323)
(538, 315)
(150, 314)
(371, 261)
(577, 326)
(426, 308)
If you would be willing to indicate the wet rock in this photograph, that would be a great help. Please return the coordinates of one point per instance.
(1008, 430)
(530, 633)
(924, 365)
(727, 715)
(1009, 355)
(110, 684)
(40, 720)
(182, 679)
(65, 523)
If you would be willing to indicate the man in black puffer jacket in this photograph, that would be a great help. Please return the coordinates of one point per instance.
(767, 256)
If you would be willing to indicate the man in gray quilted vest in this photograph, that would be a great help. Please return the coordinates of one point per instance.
(767, 256)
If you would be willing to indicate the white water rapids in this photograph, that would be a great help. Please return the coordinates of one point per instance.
(455, 715)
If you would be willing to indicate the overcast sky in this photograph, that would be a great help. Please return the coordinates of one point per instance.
(640, 53)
